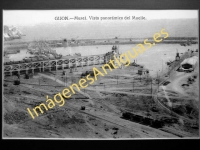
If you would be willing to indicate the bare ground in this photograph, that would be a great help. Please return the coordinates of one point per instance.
(102, 119)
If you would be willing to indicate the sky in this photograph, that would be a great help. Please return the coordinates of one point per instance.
(41, 24)
(34, 17)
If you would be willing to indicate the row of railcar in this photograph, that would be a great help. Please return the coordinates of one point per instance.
(156, 123)
(33, 59)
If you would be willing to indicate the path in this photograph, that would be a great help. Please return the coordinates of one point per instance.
(175, 84)
(63, 83)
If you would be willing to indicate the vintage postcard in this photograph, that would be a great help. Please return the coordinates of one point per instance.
(100, 74)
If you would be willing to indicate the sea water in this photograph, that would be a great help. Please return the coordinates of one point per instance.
(154, 58)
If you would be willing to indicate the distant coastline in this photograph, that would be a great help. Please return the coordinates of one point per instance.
(13, 45)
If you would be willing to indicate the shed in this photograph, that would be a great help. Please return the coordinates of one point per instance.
(143, 71)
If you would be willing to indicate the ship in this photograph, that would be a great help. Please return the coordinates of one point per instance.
(41, 48)
(110, 55)
(188, 43)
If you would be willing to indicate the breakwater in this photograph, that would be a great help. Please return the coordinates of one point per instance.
(10, 45)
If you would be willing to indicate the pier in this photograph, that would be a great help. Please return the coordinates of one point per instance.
(55, 64)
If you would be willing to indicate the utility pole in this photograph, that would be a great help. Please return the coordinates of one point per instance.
(151, 82)
(151, 87)
(158, 79)
(65, 79)
(133, 84)
(20, 83)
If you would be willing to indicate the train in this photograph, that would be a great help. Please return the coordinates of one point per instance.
(155, 123)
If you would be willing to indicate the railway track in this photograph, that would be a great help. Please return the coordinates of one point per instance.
(168, 129)
(125, 124)
(108, 120)
(176, 132)
(107, 116)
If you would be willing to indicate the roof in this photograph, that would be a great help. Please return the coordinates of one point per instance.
(142, 70)
(191, 60)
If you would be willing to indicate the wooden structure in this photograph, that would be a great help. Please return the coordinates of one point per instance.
(55, 64)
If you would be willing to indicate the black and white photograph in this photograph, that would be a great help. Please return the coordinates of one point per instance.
(100, 74)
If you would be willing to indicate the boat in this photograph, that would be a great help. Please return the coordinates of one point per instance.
(40, 48)
(77, 54)
(58, 56)
(188, 43)
(114, 47)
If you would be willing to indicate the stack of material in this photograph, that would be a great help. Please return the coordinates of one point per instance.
(189, 62)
